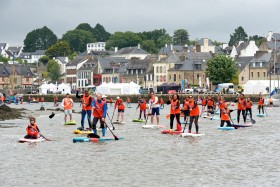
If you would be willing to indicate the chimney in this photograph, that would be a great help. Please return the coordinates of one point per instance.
(88, 51)
(138, 46)
(116, 49)
(205, 41)
(165, 45)
(269, 37)
(171, 47)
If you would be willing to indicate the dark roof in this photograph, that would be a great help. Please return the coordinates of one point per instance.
(167, 49)
(3, 71)
(76, 60)
(187, 65)
(20, 69)
(242, 46)
(131, 50)
(276, 35)
(15, 50)
(118, 64)
(62, 59)
(23, 55)
(242, 62)
(271, 45)
(138, 64)
(89, 65)
(39, 52)
(3, 45)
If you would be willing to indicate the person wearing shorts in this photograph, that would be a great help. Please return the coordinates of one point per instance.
(154, 105)
(67, 104)
(120, 105)
(99, 107)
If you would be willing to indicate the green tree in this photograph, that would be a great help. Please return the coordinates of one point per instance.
(71, 56)
(53, 70)
(4, 60)
(85, 27)
(217, 43)
(181, 37)
(166, 39)
(238, 35)
(257, 39)
(123, 39)
(149, 46)
(39, 39)
(78, 39)
(61, 48)
(221, 69)
(44, 60)
(100, 33)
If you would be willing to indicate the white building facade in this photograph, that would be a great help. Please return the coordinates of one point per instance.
(98, 46)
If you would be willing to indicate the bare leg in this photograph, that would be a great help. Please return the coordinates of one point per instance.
(152, 120)
(157, 119)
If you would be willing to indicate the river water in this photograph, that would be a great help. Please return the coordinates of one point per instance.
(243, 157)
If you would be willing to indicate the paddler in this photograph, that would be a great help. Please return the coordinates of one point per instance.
(185, 108)
(249, 105)
(241, 107)
(194, 114)
(99, 107)
(161, 102)
(154, 105)
(32, 129)
(142, 105)
(210, 104)
(203, 103)
(67, 104)
(260, 104)
(225, 115)
(175, 111)
(270, 101)
(128, 102)
(121, 107)
(86, 101)
(221, 104)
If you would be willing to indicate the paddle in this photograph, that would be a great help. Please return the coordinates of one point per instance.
(185, 125)
(147, 116)
(214, 112)
(110, 121)
(113, 115)
(52, 115)
(44, 137)
(265, 111)
(252, 120)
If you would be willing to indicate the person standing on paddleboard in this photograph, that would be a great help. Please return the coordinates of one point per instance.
(221, 104)
(99, 107)
(86, 101)
(260, 104)
(210, 104)
(128, 102)
(32, 129)
(185, 108)
(175, 111)
(241, 106)
(121, 107)
(270, 101)
(154, 105)
(67, 104)
(143, 107)
(249, 105)
(225, 115)
(161, 101)
(194, 114)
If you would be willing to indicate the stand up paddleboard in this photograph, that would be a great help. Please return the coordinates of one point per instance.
(191, 134)
(119, 123)
(70, 123)
(95, 140)
(129, 107)
(247, 124)
(152, 126)
(22, 140)
(261, 115)
(226, 128)
(138, 120)
(87, 131)
(184, 122)
(170, 131)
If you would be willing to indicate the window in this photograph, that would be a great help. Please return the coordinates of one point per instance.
(242, 78)
(169, 77)
(197, 76)
(164, 77)
(164, 69)
(160, 69)
(179, 76)
(157, 78)
(258, 74)
(252, 74)
(263, 74)
(157, 69)
(174, 77)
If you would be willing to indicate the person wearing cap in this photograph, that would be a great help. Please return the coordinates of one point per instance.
(67, 104)
(86, 101)
(32, 129)
(121, 107)
(99, 107)
(154, 105)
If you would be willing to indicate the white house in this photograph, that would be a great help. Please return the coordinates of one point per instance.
(244, 49)
(130, 52)
(98, 46)
(62, 61)
(3, 48)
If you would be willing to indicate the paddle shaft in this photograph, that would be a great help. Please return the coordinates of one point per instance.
(110, 121)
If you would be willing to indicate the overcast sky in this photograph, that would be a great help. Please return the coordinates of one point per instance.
(215, 19)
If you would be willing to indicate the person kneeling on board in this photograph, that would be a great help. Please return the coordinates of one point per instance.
(99, 113)
(32, 129)
(175, 111)
(194, 114)
(225, 116)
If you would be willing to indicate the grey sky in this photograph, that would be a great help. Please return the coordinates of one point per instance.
(215, 19)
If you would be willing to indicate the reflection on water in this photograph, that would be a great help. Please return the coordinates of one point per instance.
(243, 157)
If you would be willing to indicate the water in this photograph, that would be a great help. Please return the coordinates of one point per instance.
(243, 157)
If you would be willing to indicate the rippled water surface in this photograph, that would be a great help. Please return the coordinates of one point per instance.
(243, 157)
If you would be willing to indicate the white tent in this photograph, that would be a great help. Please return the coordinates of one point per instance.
(103, 88)
(258, 86)
(118, 88)
(64, 88)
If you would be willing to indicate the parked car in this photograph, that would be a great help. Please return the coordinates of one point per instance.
(189, 91)
(201, 90)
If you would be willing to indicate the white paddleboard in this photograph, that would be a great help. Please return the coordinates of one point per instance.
(152, 126)
(117, 122)
(22, 140)
(191, 134)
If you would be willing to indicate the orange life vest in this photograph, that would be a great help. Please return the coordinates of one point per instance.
(85, 103)
(241, 104)
(98, 111)
(261, 101)
(119, 104)
(203, 102)
(142, 105)
(174, 104)
(210, 102)
(186, 105)
(270, 100)
(222, 104)
(67, 103)
(152, 100)
(128, 100)
(32, 130)
(194, 110)
(249, 104)
(225, 114)
(42, 99)
(161, 101)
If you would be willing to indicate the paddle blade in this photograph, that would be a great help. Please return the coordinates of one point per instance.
(92, 135)
(253, 121)
(52, 115)
(167, 116)
(116, 138)
(179, 127)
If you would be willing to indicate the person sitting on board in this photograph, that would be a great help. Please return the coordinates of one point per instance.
(32, 129)
(249, 105)
(161, 102)
(121, 107)
(128, 102)
(86, 101)
(210, 104)
(154, 105)
(241, 107)
(270, 101)
(185, 108)
(221, 104)
(194, 114)
(99, 107)
(225, 115)
(67, 104)
(175, 111)
(142, 106)
(260, 104)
